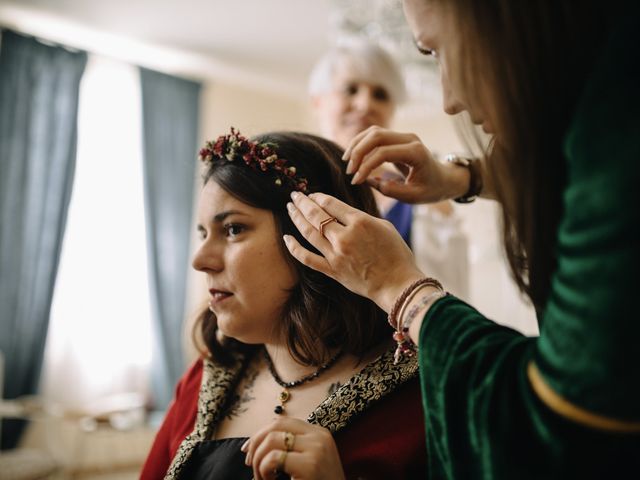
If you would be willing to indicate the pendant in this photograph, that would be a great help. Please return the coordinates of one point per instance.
(283, 398)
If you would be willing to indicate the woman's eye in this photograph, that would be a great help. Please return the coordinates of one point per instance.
(429, 52)
(351, 89)
(233, 229)
(380, 94)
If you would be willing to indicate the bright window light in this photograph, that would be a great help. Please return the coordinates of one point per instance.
(99, 340)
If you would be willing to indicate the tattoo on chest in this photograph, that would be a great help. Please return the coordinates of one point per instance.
(333, 388)
(238, 403)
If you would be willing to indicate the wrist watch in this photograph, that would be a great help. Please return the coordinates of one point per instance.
(475, 177)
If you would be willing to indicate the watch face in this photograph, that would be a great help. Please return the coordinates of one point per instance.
(455, 159)
(474, 188)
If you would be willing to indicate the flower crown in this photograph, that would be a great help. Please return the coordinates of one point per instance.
(258, 156)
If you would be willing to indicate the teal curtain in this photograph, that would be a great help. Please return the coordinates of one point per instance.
(170, 112)
(39, 87)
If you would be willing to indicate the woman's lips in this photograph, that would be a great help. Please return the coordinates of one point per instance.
(218, 296)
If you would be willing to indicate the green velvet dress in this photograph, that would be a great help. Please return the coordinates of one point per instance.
(483, 420)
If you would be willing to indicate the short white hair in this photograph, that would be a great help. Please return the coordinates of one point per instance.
(370, 62)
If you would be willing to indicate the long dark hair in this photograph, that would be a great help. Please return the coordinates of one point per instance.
(318, 308)
(527, 62)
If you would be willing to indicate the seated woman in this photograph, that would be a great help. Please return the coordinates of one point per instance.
(292, 359)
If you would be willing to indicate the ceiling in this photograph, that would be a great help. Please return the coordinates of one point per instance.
(268, 45)
(272, 42)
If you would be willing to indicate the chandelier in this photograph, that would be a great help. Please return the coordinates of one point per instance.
(382, 22)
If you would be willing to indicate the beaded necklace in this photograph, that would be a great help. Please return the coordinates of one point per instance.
(285, 395)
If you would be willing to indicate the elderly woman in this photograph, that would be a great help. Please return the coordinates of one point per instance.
(357, 85)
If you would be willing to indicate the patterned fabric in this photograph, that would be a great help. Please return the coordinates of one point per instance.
(373, 382)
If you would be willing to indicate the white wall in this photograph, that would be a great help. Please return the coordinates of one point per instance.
(250, 111)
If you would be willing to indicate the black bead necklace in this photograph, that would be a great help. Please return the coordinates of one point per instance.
(285, 395)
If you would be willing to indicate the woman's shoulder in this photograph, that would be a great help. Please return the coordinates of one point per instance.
(605, 120)
(375, 382)
(383, 408)
(191, 379)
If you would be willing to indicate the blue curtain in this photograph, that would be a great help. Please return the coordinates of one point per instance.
(39, 86)
(170, 113)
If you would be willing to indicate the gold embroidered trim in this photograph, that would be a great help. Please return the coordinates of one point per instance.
(217, 382)
(573, 412)
(373, 382)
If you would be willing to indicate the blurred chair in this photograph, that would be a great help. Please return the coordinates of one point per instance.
(19, 463)
(26, 464)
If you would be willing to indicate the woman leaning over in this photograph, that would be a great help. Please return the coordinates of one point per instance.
(556, 85)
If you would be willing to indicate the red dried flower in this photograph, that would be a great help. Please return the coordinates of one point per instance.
(262, 156)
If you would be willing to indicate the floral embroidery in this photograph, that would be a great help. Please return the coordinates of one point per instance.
(217, 383)
(374, 381)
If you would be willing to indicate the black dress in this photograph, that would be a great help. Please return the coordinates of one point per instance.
(219, 460)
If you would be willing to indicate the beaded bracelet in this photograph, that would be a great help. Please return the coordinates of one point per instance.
(401, 300)
(407, 301)
(406, 347)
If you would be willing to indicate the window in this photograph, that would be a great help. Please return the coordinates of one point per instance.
(99, 340)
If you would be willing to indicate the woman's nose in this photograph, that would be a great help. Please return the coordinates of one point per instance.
(207, 258)
(363, 100)
(450, 103)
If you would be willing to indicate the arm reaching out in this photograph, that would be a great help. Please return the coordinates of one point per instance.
(364, 253)
(425, 179)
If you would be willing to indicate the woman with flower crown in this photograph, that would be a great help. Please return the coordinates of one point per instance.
(291, 360)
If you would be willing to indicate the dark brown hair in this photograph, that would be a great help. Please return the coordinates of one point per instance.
(318, 308)
(526, 63)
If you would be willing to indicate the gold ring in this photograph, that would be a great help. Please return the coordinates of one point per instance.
(289, 440)
(281, 460)
(326, 222)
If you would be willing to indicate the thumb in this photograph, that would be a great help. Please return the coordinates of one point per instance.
(400, 191)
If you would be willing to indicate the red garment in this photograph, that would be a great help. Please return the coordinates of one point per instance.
(177, 424)
(386, 441)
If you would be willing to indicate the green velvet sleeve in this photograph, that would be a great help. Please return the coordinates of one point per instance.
(482, 418)
(587, 350)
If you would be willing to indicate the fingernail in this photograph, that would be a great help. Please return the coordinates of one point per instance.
(290, 207)
(247, 460)
(345, 155)
(295, 194)
(349, 167)
(245, 445)
(355, 178)
(287, 240)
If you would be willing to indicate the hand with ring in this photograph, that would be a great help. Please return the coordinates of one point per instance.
(324, 223)
(295, 447)
(364, 253)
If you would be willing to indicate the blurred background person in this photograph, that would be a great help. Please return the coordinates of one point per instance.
(354, 86)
